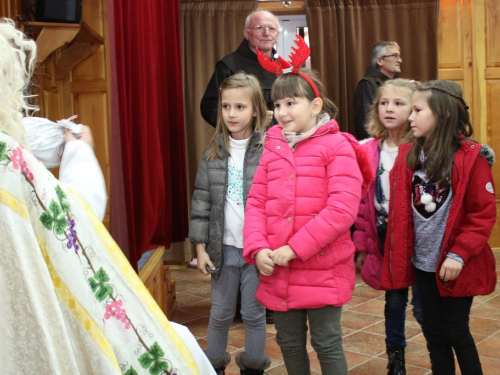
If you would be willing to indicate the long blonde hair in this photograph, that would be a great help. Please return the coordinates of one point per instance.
(251, 84)
(17, 63)
(374, 127)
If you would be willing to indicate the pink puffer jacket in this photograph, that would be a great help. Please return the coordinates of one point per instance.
(365, 237)
(307, 198)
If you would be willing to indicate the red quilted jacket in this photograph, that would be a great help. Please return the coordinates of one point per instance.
(468, 227)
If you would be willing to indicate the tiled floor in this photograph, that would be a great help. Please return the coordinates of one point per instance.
(362, 324)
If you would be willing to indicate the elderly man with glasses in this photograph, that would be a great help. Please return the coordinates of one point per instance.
(386, 64)
(261, 31)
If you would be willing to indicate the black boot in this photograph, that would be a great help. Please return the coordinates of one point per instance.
(252, 366)
(396, 365)
(269, 316)
(219, 363)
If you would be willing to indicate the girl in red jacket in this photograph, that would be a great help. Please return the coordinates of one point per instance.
(304, 198)
(441, 214)
(388, 124)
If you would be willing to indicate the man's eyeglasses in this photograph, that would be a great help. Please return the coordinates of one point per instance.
(395, 55)
(260, 29)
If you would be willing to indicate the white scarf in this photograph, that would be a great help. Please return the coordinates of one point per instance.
(293, 137)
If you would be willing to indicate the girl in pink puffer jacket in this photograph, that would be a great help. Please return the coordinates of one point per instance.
(304, 198)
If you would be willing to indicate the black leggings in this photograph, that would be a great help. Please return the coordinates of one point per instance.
(446, 329)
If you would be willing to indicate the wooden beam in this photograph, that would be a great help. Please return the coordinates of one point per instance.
(296, 7)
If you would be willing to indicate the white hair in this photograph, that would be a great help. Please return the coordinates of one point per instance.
(249, 17)
(17, 62)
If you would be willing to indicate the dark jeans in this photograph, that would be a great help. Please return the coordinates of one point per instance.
(446, 329)
(396, 301)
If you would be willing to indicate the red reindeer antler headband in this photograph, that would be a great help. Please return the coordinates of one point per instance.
(297, 58)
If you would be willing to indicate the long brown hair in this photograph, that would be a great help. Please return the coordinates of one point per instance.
(294, 86)
(452, 127)
(250, 84)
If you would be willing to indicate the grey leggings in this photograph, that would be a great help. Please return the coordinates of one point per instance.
(236, 273)
(326, 339)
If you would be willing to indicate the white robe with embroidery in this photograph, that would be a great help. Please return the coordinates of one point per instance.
(70, 303)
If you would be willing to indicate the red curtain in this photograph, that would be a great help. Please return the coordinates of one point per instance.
(148, 169)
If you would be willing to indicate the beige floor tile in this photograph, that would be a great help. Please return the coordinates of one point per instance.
(356, 321)
(188, 299)
(490, 347)
(363, 329)
(491, 366)
(372, 307)
(417, 355)
(365, 343)
(355, 301)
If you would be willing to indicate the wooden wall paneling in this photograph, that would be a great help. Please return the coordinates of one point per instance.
(93, 13)
(478, 69)
(492, 9)
(278, 7)
(10, 8)
(51, 92)
(154, 277)
(489, 15)
(454, 41)
(469, 54)
(94, 68)
(450, 53)
(493, 126)
(92, 109)
(65, 100)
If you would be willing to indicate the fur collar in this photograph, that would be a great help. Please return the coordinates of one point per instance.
(488, 153)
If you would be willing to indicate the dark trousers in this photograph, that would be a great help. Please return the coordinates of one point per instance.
(446, 329)
(396, 301)
(326, 339)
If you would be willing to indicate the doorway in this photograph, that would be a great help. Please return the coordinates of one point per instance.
(290, 25)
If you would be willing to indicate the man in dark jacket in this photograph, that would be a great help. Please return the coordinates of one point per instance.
(261, 31)
(386, 64)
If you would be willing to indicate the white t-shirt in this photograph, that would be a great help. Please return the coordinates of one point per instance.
(234, 209)
(388, 156)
